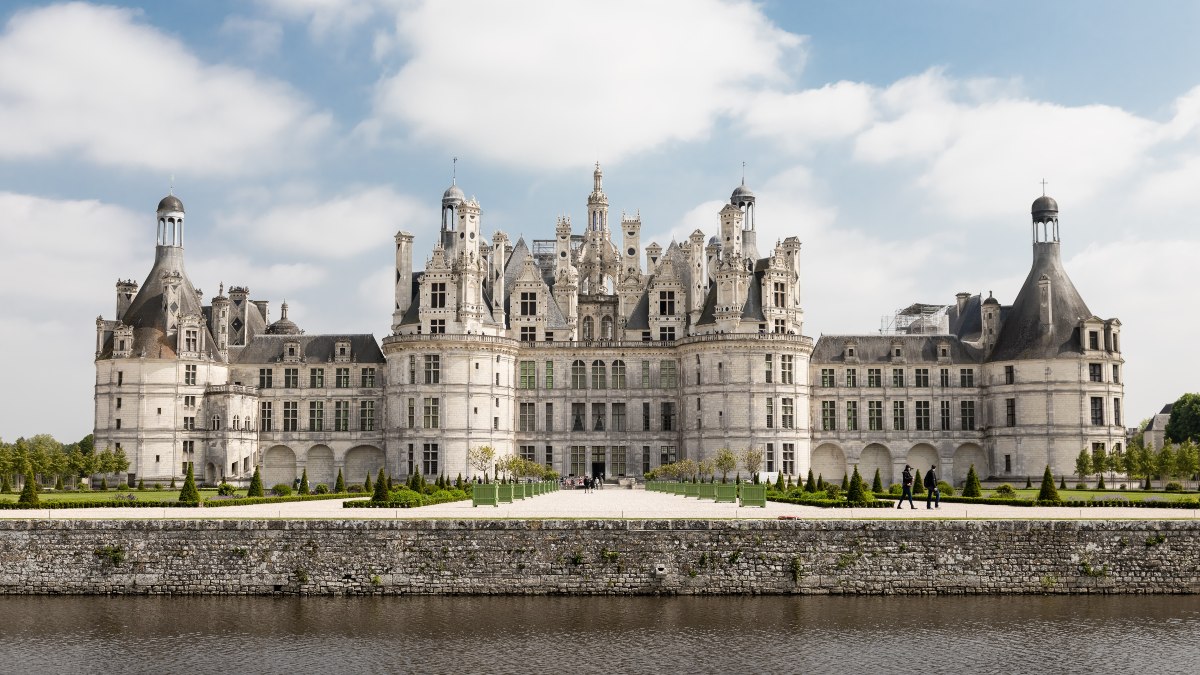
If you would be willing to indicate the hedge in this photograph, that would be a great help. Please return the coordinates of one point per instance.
(1070, 503)
(114, 503)
(425, 500)
(829, 503)
(248, 501)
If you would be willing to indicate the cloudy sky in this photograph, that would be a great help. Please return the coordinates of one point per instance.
(902, 142)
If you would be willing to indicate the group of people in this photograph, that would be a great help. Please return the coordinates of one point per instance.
(588, 483)
(933, 495)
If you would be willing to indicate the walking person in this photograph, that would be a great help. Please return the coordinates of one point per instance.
(932, 493)
(907, 482)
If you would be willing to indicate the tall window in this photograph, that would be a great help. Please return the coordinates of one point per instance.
(966, 415)
(778, 294)
(618, 455)
(528, 304)
(589, 328)
(578, 410)
(433, 369)
(789, 458)
(1095, 372)
(598, 416)
(578, 460)
(875, 415)
(966, 377)
(944, 377)
(1116, 374)
(429, 459)
(828, 415)
(921, 377)
(852, 415)
(214, 423)
(666, 333)
(528, 376)
(785, 369)
(528, 333)
(316, 378)
(645, 416)
(921, 410)
(189, 375)
(578, 374)
(645, 374)
(599, 375)
(291, 415)
(874, 377)
(770, 413)
(1010, 374)
(787, 414)
(1093, 340)
(316, 416)
(606, 328)
(437, 295)
(412, 370)
(431, 413)
(827, 377)
(1010, 412)
(549, 374)
(342, 378)
(667, 376)
(618, 417)
(528, 417)
(898, 415)
(769, 369)
(291, 378)
(770, 457)
(945, 415)
(412, 413)
(1117, 412)
(897, 377)
(366, 415)
(668, 416)
(1097, 411)
(367, 377)
(191, 341)
(341, 415)
(549, 425)
(618, 375)
(666, 303)
(851, 377)
(264, 416)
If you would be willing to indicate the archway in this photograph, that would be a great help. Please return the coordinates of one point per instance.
(279, 466)
(320, 466)
(922, 456)
(876, 457)
(362, 461)
(829, 462)
(966, 455)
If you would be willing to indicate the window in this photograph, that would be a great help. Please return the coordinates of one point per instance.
(875, 415)
(437, 295)
(264, 416)
(828, 415)
(189, 375)
(598, 416)
(645, 416)
(1117, 412)
(668, 416)
(1095, 372)
(667, 376)
(944, 377)
(770, 413)
(778, 294)
(599, 375)
(1010, 374)
(787, 414)
(367, 377)
(316, 378)
(431, 415)
(437, 326)
(429, 459)
(1093, 340)
(341, 415)
(118, 421)
(898, 415)
(291, 416)
(851, 377)
(189, 423)
(528, 333)
(191, 340)
(921, 411)
(645, 459)
(874, 377)
(1116, 342)
(549, 424)
(528, 375)
(827, 377)
(1008, 464)
(785, 369)
(945, 415)
(780, 326)
(120, 378)
(666, 333)
(666, 454)
(549, 374)
(852, 415)
(1116, 374)
(291, 378)
(618, 417)
(921, 377)
(897, 377)
(316, 416)
(578, 410)
(618, 375)
(412, 413)
(412, 369)
(528, 304)
(549, 456)
(789, 458)
(606, 328)
(366, 415)
(528, 453)
(578, 374)
(343, 378)
(433, 369)
(188, 402)
(966, 377)
(666, 303)
(645, 374)
(966, 415)
(770, 457)
(1097, 411)
(1010, 412)
(769, 371)
(528, 417)
(578, 459)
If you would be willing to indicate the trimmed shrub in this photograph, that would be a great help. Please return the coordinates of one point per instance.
(1081, 486)
(104, 484)
(5, 484)
(972, 488)
(1005, 491)
(1028, 483)
(226, 490)
(367, 484)
(1048, 493)
(339, 485)
(189, 494)
(811, 485)
(918, 482)
(1173, 487)
(896, 489)
(857, 492)
(172, 486)
(1100, 482)
(256, 486)
(304, 482)
(845, 483)
(355, 489)
(1062, 484)
(321, 489)
(29, 494)
(58, 485)
(833, 491)
(877, 484)
(282, 490)
(381, 493)
(946, 489)
(141, 484)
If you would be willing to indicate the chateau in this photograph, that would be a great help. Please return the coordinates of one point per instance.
(598, 359)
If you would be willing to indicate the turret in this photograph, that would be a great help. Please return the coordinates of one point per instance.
(404, 246)
(990, 315)
(597, 203)
(170, 221)
(496, 273)
(126, 289)
(631, 231)
(653, 253)
(220, 321)
(731, 231)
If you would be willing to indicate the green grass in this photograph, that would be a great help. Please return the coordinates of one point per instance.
(1072, 494)
(110, 495)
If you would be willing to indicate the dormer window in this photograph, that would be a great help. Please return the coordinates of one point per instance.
(341, 351)
(1093, 339)
(191, 340)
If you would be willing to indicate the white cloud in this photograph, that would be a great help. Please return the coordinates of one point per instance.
(339, 227)
(327, 17)
(801, 118)
(273, 281)
(557, 84)
(259, 36)
(96, 84)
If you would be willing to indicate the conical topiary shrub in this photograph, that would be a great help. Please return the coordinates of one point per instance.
(972, 488)
(189, 494)
(256, 486)
(381, 492)
(29, 494)
(779, 483)
(918, 484)
(1048, 493)
(303, 482)
(1028, 483)
(5, 484)
(877, 483)
(846, 482)
(856, 492)
(1100, 482)
(339, 486)
(1062, 482)
(811, 485)
(58, 484)
(367, 483)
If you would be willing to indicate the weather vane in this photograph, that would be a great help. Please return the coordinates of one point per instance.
(1043, 187)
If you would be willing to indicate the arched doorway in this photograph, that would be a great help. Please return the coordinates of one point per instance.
(279, 466)
(876, 457)
(362, 461)
(966, 455)
(829, 462)
(922, 456)
(320, 466)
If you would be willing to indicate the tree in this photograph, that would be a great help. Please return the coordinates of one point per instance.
(856, 493)
(1164, 461)
(381, 494)
(918, 484)
(752, 459)
(256, 486)
(339, 486)
(480, 459)
(29, 494)
(877, 483)
(1048, 493)
(303, 482)
(367, 483)
(1083, 464)
(120, 463)
(810, 485)
(1184, 423)
(779, 482)
(189, 494)
(972, 488)
(725, 462)
(845, 482)
(1100, 462)
(1187, 460)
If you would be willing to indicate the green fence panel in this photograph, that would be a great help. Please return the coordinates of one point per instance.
(708, 491)
(505, 491)
(691, 489)
(485, 494)
(754, 495)
(726, 493)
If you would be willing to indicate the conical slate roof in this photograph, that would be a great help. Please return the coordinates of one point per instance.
(1022, 335)
(148, 317)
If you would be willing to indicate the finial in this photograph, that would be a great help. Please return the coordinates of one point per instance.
(1043, 187)
(743, 174)
(221, 288)
(454, 172)
(171, 189)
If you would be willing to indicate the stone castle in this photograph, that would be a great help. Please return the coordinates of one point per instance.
(602, 360)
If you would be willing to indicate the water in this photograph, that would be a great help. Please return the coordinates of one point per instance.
(676, 635)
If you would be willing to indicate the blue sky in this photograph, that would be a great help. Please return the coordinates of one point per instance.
(902, 142)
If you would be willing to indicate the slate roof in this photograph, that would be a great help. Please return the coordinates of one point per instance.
(1021, 334)
(315, 348)
(877, 349)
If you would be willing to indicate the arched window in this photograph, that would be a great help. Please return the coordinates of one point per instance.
(216, 423)
(606, 328)
(599, 375)
(236, 421)
(589, 328)
(618, 375)
(578, 374)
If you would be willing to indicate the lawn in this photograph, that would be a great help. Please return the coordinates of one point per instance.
(110, 495)
(1091, 495)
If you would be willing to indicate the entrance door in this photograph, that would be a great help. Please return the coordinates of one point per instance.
(598, 461)
(597, 469)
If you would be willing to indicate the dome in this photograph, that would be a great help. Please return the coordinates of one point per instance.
(1044, 207)
(714, 241)
(991, 300)
(741, 194)
(170, 203)
(454, 193)
(284, 326)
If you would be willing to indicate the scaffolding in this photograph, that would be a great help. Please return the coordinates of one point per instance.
(918, 318)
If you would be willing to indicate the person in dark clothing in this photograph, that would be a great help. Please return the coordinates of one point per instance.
(932, 493)
(907, 482)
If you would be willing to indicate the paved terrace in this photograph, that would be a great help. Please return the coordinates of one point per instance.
(614, 502)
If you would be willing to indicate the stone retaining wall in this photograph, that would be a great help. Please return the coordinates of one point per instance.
(234, 557)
